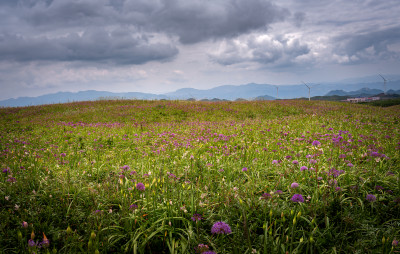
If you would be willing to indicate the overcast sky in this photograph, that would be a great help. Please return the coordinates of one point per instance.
(159, 46)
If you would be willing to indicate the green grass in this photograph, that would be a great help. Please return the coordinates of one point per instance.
(70, 171)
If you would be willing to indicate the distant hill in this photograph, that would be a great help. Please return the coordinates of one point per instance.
(363, 92)
(227, 92)
(250, 91)
(393, 91)
(63, 97)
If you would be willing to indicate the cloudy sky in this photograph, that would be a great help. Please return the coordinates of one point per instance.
(159, 46)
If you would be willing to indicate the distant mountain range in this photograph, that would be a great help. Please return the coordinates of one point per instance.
(359, 93)
(250, 91)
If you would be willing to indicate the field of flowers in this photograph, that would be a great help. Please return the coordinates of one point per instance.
(134, 176)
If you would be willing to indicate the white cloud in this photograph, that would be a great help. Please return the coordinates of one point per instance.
(261, 48)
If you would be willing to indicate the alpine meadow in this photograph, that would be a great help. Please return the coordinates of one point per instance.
(158, 176)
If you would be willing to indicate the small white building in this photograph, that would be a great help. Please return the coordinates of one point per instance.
(362, 99)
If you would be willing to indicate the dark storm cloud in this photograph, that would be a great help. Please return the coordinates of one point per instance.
(195, 21)
(368, 45)
(93, 45)
(191, 21)
(63, 14)
(52, 30)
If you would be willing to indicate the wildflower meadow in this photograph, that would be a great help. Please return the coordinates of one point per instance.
(132, 176)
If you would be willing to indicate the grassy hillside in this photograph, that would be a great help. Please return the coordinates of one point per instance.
(200, 177)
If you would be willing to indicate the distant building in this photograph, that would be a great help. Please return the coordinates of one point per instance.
(362, 99)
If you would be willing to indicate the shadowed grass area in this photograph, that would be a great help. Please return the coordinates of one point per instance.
(189, 177)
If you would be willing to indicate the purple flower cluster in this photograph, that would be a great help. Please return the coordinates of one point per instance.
(125, 167)
(196, 217)
(370, 198)
(221, 227)
(316, 143)
(140, 186)
(335, 173)
(43, 244)
(298, 198)
(266, 196)
(31, 243)
(303, 168)
(11, 179)
(133, 207)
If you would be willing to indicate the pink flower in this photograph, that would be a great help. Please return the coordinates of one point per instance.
(294, 185)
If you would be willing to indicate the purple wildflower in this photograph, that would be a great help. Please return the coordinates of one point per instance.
(244, 169)
(316, 143)
(63, 154)
(335, 173)
(297, 198)
(125, 167)
(294, 185)
(140, 186)
(312, 161)
(275, 162)
(25, 224)
(266, 196)
(209, 252)
(303, 168)
(370, 198)
(31, 243)
(278, 192)
(133, 207)
(221, 227)
(197, 217)
(295, 162)
(11, 180)
(45, 243)
(375, 154)
(395, 243)
(6, 170)
(170, 175)
(350, 164)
